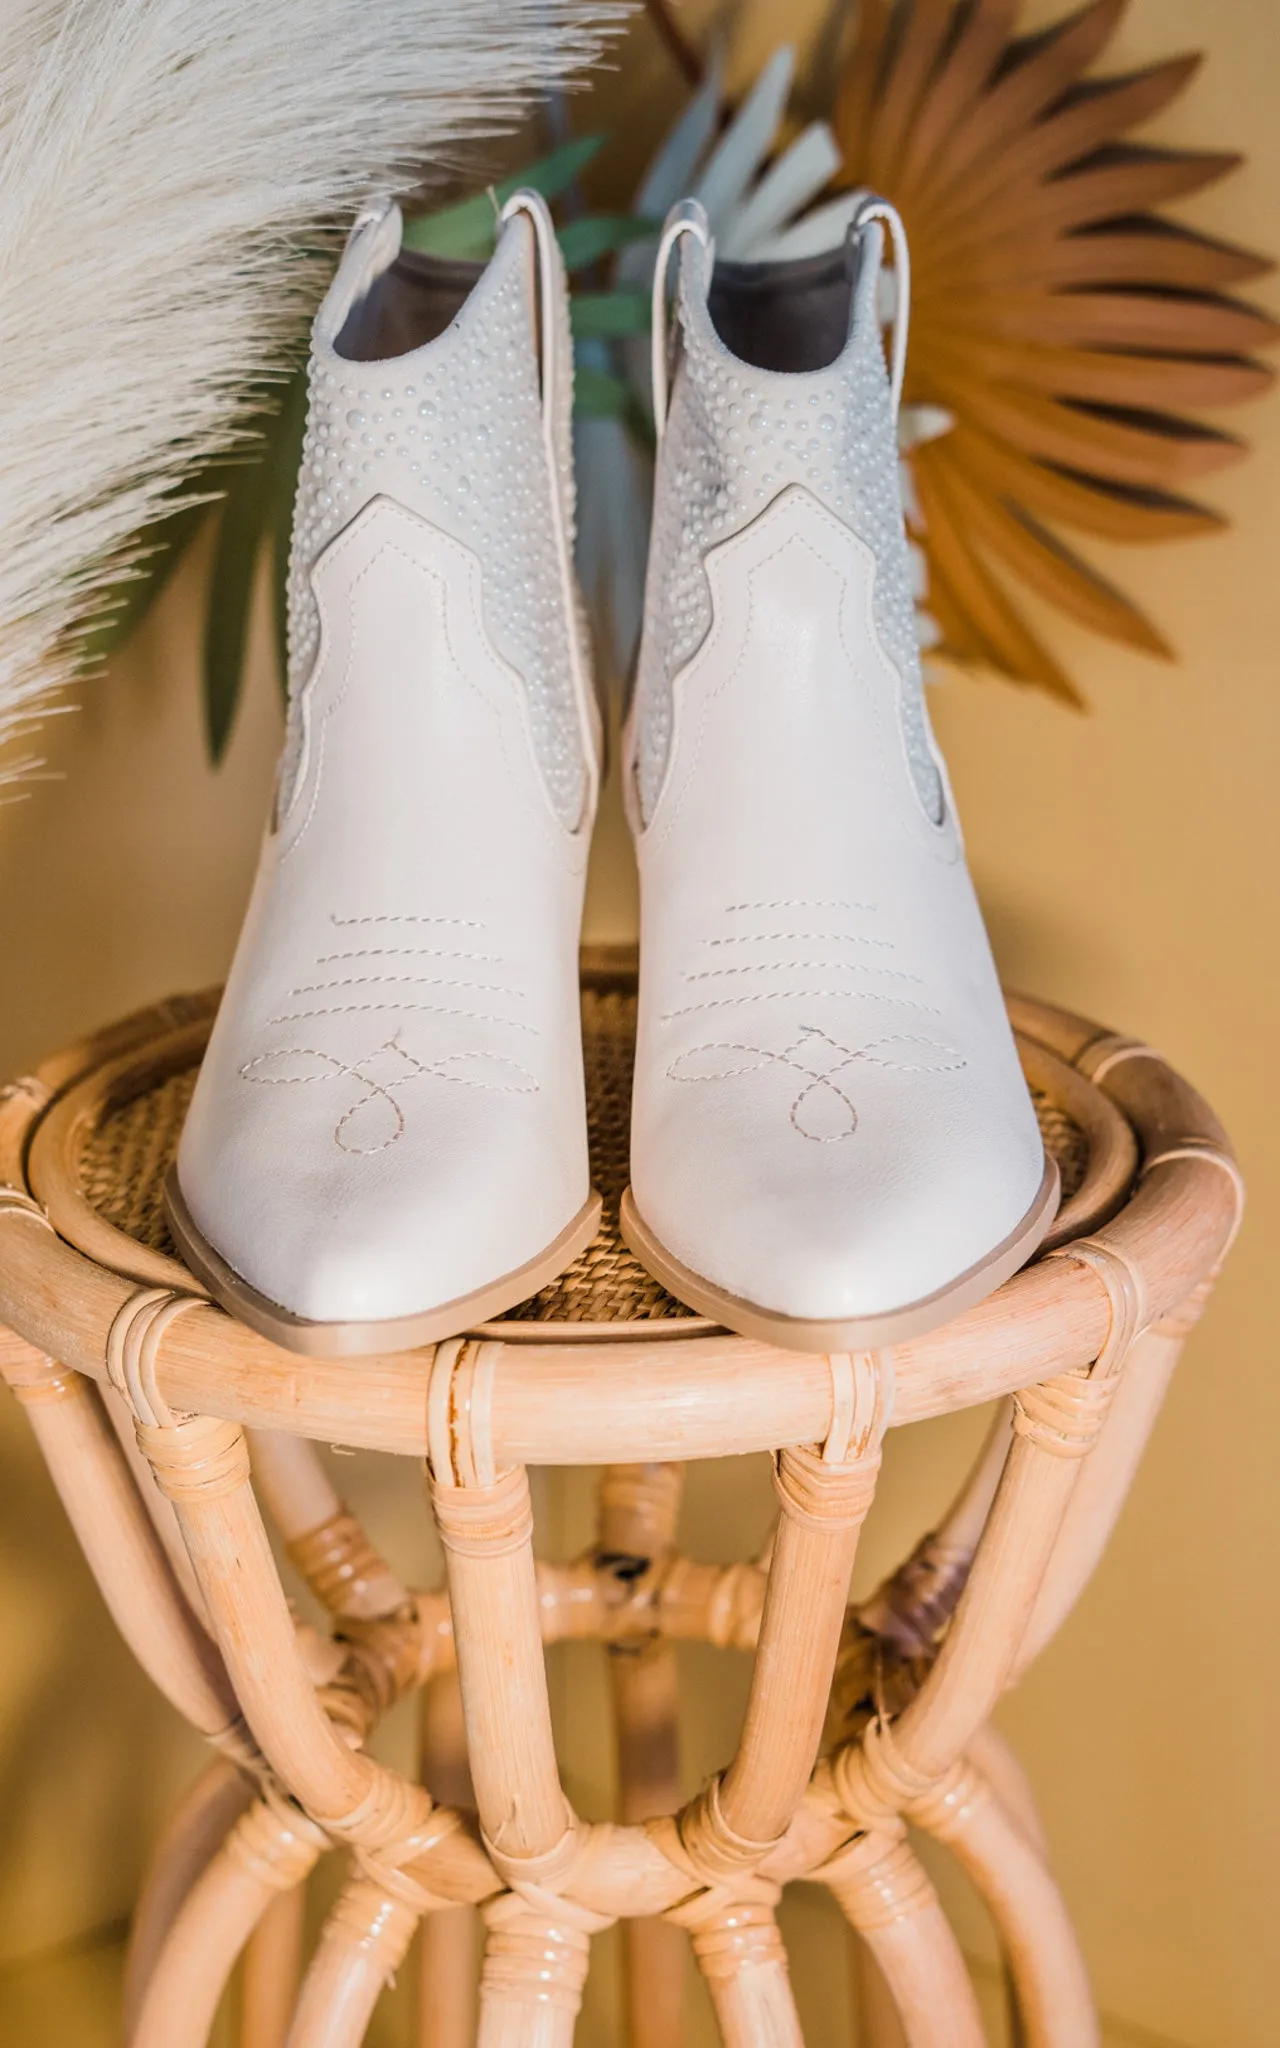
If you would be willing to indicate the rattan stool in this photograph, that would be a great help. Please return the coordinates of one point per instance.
(151, 1406)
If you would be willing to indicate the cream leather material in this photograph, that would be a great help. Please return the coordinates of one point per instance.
(829, 1120)
(391, 1113)
(734, 437)
(456, 431)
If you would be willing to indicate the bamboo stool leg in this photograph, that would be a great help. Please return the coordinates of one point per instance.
(448, 1978)
(824, 1493)
(997, 1762)
(639, 1505)
(194, 1834)
(365, 1939)
(896, 1767)
(1086, 1530)
(878, 2021)
(1055, 1427)
(487, 1532)
(203, 1466)
(1103, 1485)
(448, 1946)
(889, 1901)
(914, 1604)
(824, 1496)
(740, 1954)
(536, 1950)
(270, 1850)
(160, 1510)
(1051, 1986)
(324, 1539)
(644, 1683)
(292, 1483)
(271, 1972)
(536, 1953)
(535, 1965)
(724, 1835)
(120, 1543)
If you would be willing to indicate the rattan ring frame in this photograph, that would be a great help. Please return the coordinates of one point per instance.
(151, 1407)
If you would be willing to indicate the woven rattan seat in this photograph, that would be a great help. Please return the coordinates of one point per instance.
(172, 1431)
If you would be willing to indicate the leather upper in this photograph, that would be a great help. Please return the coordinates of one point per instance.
(829, 1117)
(733, 438)
(391, 1111)
(455, 431)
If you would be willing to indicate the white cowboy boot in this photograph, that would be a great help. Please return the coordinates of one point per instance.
(832, 1143)
(388, 1138)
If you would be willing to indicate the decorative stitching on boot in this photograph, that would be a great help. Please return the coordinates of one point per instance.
(393, 917)
(823, 1091)
(383, 1092)
(806, 967)
(803, 995)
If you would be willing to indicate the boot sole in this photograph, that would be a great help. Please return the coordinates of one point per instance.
(854, 1333)
(394, 1333)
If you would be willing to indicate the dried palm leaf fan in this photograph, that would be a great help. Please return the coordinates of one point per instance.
(1062, 323)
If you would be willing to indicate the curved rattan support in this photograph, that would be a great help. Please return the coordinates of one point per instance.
(998, 1764)
(164, 1521)
(638, 1510)
(449, 1946)
(324, 1540)
(366, 1937)
(1101, 1489)
(195, 1833)
(1055, 1426)
(271, 1972)
(716, 1396)
(537, 1946)
(119, 1540)
(744, 1965)
(824, 1496)
(876, 2021)
(270, 1849)
(203, 1467)
(913, 1606)
(1051, 1987)
(487, 1533)
(889, 1901)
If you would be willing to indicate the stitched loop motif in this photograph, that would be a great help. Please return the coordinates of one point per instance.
(822, 1110)
(376, 1119)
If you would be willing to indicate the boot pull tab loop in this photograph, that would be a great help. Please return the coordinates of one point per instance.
(544, 234)
(875, 208)
(688, 218)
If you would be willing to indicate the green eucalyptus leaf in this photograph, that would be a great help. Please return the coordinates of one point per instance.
(600, 395)
(230, 599)
(622, 312)
(464, 231)
(466, 228)
(553, 174)
(595, 235)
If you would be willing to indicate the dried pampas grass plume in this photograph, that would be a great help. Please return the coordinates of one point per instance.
(162, 163)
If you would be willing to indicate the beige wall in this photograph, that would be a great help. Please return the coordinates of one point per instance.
(1128, 862)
